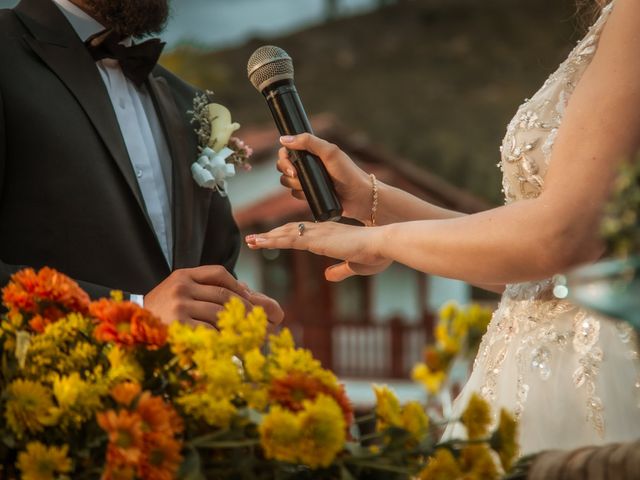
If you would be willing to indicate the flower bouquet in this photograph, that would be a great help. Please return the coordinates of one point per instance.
(105, 390)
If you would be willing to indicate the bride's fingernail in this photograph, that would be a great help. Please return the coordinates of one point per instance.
(286, 139)
(291, 172)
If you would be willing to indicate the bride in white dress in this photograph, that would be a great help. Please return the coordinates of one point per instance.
(570, 377)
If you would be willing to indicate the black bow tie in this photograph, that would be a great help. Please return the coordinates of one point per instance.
(136, 61)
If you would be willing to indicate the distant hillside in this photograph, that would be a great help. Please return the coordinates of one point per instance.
(436, 81)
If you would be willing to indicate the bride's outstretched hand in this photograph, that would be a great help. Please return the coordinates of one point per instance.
(353, 185)
(359, 247)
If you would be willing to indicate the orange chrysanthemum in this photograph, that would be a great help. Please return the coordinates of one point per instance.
(47, 294)
(127, 324)
(157, 416)
(125, 393)
(161, 459)
(291, 391)
(125, 438)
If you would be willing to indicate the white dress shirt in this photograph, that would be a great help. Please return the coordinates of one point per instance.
(141, 130)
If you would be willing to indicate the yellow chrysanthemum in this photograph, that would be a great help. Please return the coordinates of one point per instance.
(442, 466)
(478, 463)
(415, 420)
(28, 408)
(256, 396)
(323, 432)
(186, 340)
(388, 408)
(213, 410)
(479, 317)
(504, 439)
(62, 348)
(283, 340)
(448, 312)
(39, 462)
(124, 366)
(284, 361)
(220, 376)
(78, 400)
(432, 381)
(476, 417)
(448, 343)
(241, 332)
(459, 326)
(254, 363)
(117, 295)
(13, 321)
(279, 434)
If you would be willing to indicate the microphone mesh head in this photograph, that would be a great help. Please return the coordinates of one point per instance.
(268, 65)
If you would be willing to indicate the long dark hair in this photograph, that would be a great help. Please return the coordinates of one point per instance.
(588, 11)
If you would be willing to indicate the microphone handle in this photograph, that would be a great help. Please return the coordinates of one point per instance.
(291, 119)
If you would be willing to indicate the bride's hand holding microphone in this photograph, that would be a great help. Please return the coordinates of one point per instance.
(359, 247)
(352, 184)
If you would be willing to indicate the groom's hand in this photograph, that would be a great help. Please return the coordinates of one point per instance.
(196, 295)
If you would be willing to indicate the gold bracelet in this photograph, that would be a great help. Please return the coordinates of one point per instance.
(374, 194)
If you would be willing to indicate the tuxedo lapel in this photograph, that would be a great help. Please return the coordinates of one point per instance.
(190, 206)
(57, 45)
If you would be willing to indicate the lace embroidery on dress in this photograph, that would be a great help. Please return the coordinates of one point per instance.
(529, 312)
(528, 143)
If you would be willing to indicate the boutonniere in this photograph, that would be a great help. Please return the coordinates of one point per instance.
(218, 152)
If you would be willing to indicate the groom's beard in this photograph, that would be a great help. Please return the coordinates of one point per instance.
(135, 18)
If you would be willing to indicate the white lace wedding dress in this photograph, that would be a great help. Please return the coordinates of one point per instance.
(570, 377)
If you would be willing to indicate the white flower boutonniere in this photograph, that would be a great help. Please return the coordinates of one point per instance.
(219, 151)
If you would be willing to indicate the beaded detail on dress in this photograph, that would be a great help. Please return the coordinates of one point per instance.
(530, 321)
(528, 144)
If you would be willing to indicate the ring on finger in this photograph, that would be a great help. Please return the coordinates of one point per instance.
(301, 229)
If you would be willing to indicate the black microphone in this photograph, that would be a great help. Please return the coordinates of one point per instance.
(270, 70)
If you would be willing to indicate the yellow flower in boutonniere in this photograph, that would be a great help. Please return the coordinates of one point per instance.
(221, 126)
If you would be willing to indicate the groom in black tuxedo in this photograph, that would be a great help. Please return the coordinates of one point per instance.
(95, 154)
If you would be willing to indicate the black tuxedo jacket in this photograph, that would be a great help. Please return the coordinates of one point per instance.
(69, 198)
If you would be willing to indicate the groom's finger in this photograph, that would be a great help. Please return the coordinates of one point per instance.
(305, 141)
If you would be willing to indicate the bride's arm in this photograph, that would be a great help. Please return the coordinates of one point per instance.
(529, 239)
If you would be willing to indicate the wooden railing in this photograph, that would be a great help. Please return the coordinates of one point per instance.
(366, 350)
